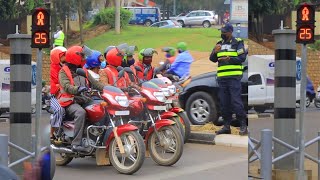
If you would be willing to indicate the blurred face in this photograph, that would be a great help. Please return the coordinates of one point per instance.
(226, 35)
(101, 59)
(129, 58)
(147, 60)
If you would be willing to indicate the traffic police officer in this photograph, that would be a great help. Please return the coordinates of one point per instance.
(230, 54)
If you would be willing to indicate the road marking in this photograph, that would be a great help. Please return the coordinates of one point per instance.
(194, 169)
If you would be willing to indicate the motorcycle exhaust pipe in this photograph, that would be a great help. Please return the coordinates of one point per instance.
(61, 149)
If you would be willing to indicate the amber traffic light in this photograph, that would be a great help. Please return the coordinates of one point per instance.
(40, 28)
(305, 23)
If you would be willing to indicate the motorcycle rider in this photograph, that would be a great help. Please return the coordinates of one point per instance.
(72, 85)
(93, 63)
(181, 65)
(170, 57)
(145, 63)
(128, 59)
(57, 59)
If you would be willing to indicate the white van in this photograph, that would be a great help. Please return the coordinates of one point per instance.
(5, 86)
(261, 81)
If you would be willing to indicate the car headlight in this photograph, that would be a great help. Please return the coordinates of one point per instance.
(166, 91)
(160, 96)
(122, 100)
(172, 89)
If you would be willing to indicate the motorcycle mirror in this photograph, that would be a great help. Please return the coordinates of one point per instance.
(121, 73)
(138, 68)
(145, 72)
(156, 70)
(119, 68)
(128, 70)
(81, 72)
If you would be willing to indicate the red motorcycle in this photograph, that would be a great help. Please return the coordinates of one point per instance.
(122, 146)
(163, 139)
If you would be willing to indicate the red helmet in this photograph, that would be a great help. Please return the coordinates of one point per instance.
(74, 55)
(56, 54)
(114, 57)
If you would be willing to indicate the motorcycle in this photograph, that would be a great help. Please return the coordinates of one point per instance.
(317, 98)
(122, 146)
(161, 135)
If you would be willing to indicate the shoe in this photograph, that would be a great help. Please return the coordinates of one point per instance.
(243, 130)
(78, 148)
(224, 130)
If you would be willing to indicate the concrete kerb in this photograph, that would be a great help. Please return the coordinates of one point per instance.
(257, 116)
(4, 120)
(229, 140)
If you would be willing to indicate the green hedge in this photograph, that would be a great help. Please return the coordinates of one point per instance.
(107, 16)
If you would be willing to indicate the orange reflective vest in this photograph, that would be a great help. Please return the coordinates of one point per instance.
(140, 74)
(65, 99)
(112, 74)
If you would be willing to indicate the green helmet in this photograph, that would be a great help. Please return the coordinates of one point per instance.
(169, 50)
(146, 52)
(182, 46)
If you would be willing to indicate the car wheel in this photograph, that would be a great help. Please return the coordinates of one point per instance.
(201, 108)
(147, 23)
(181, 23)
(308, 100)
(206, 24)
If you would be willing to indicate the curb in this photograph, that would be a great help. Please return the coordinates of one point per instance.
(4, 120)
(257, 116)
(231, 140)
(201, 137)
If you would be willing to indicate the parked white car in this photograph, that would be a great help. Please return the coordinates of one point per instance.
(5, 86)
(198, 18)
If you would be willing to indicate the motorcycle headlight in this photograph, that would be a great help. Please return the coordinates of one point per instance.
(122, 100)
(160, 96)
(172, 89)
(166, 91)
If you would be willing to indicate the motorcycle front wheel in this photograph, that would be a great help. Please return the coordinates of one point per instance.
(170, 150)
(134, 155)
(317, 103)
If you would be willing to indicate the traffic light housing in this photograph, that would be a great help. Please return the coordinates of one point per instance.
(305, 23)
(40, 28)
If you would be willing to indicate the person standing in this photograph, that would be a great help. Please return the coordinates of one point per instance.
(230, 54)
(58, 37)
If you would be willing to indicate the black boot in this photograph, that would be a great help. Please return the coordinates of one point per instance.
(224, 130)
(243, 128)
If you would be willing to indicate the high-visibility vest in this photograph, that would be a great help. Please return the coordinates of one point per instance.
(112, 74)
(225, 70)
(141, 74)
(59, 41)
(64, 98)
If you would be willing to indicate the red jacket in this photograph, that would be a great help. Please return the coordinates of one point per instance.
(54, 78)
(140, 74)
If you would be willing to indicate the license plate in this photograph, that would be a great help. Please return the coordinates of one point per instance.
(122, 113)
(160, 108)
(169, 101)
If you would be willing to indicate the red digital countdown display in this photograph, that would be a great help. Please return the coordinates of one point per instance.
(305, 24)
(40, 28)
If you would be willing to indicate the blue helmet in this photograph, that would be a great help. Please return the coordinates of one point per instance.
(93, 60)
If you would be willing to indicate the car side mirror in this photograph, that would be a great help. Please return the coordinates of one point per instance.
(81, 72)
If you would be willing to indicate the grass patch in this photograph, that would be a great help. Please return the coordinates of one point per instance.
(88, 25)
(198, 39)
(209, 127)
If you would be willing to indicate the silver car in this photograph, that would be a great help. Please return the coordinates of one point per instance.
(198, 18)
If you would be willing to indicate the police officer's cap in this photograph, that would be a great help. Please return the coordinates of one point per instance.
(227, 28)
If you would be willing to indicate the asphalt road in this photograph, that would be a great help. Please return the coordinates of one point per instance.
(198, 161)
(311, 123)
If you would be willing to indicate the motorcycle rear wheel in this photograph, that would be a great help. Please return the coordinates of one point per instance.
(138, 148)
(175, 145)
(65, 159)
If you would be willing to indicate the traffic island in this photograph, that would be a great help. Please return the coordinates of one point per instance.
(205, 134)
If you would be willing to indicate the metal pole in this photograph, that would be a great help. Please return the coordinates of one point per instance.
(266, 154)
(4, 149)
(174, 7)
(318, 156)
(302, 109)
(117, 17)
(20, 96)
(38, 104)
(285, 95)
